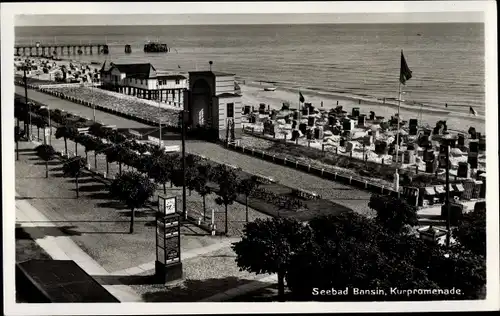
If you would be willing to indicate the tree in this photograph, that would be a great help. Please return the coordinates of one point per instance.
(114, 136)
(191, 174)
(268, 245)
(247, 187)
(91, 144)
(471, 231)
(128, 157)
(458, 268)
(133, 189)
(201, 183)
(46, 152)
(351, 251)
(228, 184)
(117, 153)
(40, 123)
(73, 168)
(97, 130)
(173, 163)
(112, 154)
(158, 169)
(85, 141)
(65, 131)
(393, 213)
(100, 149)
(192, 163)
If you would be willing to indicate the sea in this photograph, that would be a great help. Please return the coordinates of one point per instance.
(348, 60)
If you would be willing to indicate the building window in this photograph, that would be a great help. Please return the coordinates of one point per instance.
(177, 81)
(230, 110)
(142, 81)
(136, 80)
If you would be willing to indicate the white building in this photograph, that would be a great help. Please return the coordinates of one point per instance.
(144, 81)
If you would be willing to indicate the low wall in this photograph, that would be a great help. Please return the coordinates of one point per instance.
(61, 85)
(21, 83)
(334, 176)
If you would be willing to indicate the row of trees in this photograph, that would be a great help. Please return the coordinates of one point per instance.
(147, 160)
(351, 251)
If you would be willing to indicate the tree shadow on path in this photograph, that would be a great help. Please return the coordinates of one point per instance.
(40, 232)
(190, 290)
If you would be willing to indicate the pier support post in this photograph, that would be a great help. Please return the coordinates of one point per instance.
(69, 50)
(90, 50)
(98, 49)
(74, 50)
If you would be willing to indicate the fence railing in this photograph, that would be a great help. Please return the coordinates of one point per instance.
(105, 109)
(321, 172)
(259, 134)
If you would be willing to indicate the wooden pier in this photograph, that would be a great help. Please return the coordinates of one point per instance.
(60, 49)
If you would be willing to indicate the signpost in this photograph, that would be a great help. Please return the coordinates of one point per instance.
(168, 265)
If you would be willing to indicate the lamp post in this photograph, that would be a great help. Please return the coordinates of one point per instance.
(92, 95)
(26, 98)
(159, 112)
(448, 213)
(183, 133)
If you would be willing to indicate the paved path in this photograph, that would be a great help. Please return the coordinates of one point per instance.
(345, 195)
(243, 289)
(63, 248)
(77, 109)
(193, 253)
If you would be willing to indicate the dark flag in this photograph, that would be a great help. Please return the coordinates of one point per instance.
(405, 72)
(472, 111)
(301, 97)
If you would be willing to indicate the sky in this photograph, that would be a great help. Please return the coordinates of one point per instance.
(255, 18)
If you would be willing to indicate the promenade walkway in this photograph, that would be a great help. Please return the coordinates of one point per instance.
(345, 195)
(63, 248)
(95, 236)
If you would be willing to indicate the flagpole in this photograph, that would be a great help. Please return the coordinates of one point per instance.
(421, 106)
(396, 179)
(298, 116)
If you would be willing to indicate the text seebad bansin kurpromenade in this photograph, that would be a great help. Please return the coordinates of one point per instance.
(390, 291)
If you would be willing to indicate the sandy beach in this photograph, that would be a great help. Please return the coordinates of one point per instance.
(254, 94)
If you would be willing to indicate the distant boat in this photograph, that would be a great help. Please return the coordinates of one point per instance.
(270, 89)
(419, 34)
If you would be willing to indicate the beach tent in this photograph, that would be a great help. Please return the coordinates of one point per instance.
(358, 135)
(456, 152)
(328, 133)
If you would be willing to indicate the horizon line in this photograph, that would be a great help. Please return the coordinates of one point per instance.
(258, 24)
